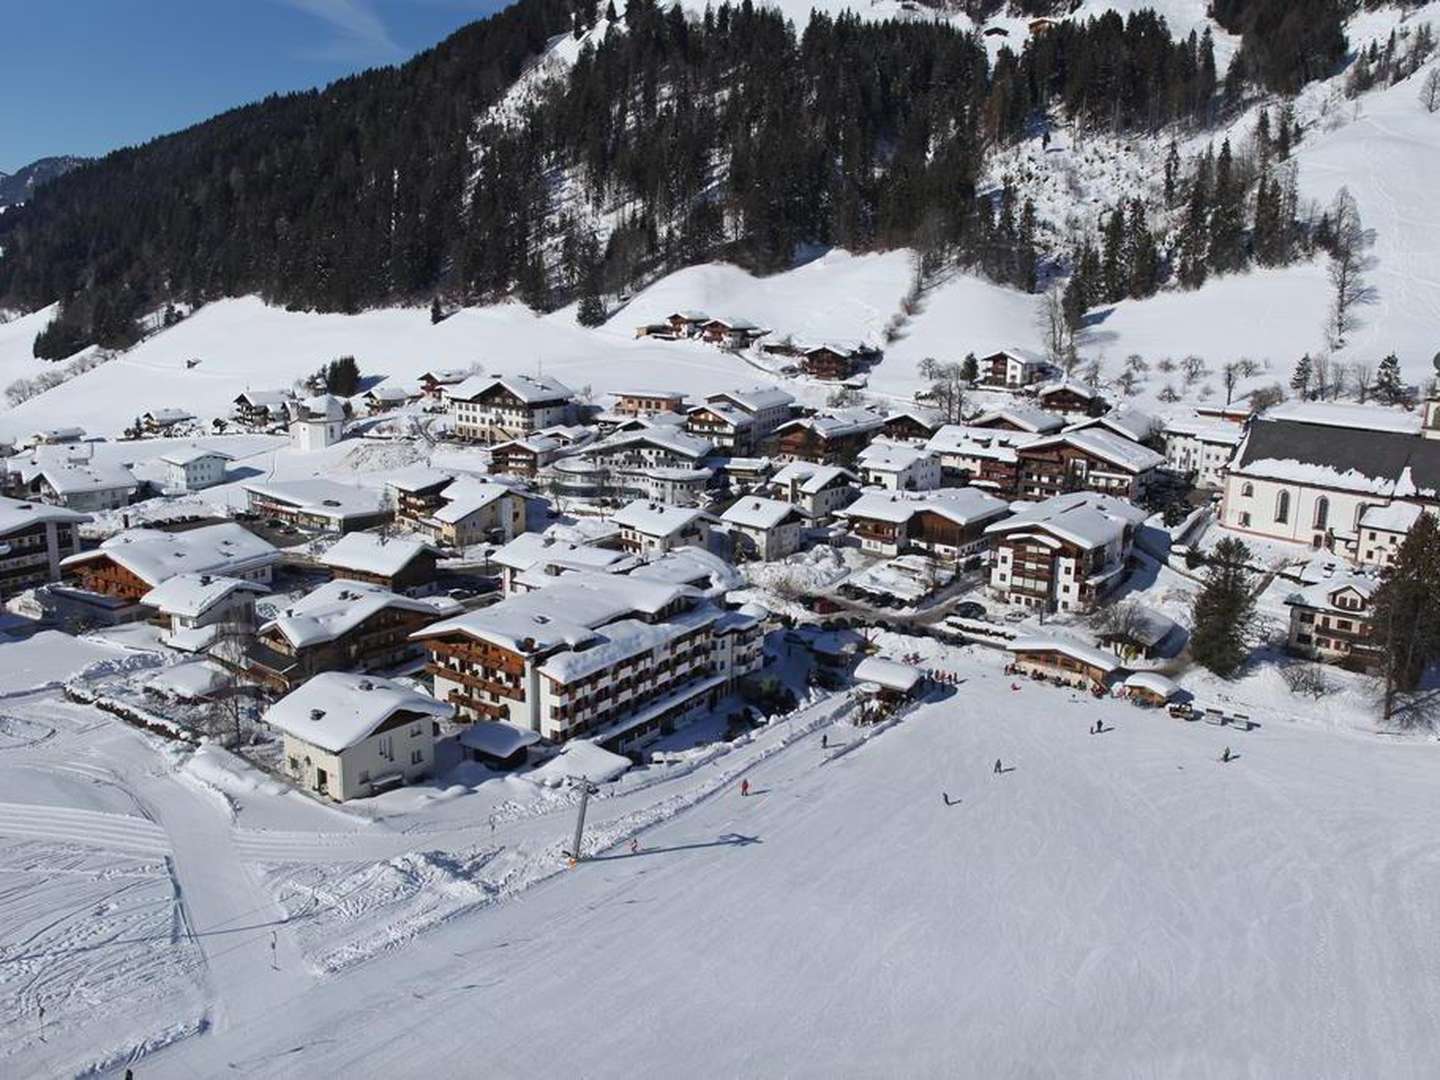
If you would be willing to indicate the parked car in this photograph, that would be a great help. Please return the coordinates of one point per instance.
(969, 610)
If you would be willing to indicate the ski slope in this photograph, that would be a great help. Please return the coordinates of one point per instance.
(1115, 905)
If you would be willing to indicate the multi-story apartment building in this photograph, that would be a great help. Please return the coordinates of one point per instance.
(616, 658)
(1201, 448)
(647, 402)
(898, 466)
(1012, 368)
(988, 458)
(948, 523)
(830, 438)
(130, 564)
(654, 527)
(34, 538)
(767, 406)
(1092, 459)
(1331, 621)
(1063, 554)
(817, 491)
(495, 409)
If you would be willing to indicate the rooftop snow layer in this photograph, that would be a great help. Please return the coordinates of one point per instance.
(154, 556)
(370, 553)
(335, 710)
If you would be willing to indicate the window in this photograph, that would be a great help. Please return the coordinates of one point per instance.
(416, 757)
(414, 731)
(1247, 490)
(386, 747)
(1282, 508)
(1245, 520)
(1322, 512)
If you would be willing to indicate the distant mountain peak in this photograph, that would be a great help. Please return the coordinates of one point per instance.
(16, 187)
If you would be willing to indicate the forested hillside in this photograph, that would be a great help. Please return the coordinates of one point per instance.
(732, 135)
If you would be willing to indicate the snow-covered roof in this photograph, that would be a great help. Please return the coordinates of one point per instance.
(468, 495)
(166, 417)
(497, 739)
(529, 389)
(1117, 450)
(187, 455)
(1076, 650)
(445, 376)
(1344, 415)
(1074, 386)
(1152, 681)
(1207, 430)
(565, 614)
(1322, 593)
(370, 553)
(1085, 518)
(890, 674)
(810, 477)
(415, 478)
(753, 399)
(690, 315)
(1398, 517)
(692, 566)
(656, 519)
(965, 441)
(322, 407)
(619, 641)
(963, 506)
(1024, 355)
(337, 607)
(735, 323)
(336, 710)
(531, 549)
(665, 437)
(392, 392)
(1374, 461)
(1025, 417)
(16, 514)
(731, 414)
(668, 395)
(74, 476)
(191, 595)
(752, 512)
(1124, 420)
(889, 457)
(580, 758)
(1146, 627)
(264, 399)
(837, 423)
(154, 556)
(324, 498)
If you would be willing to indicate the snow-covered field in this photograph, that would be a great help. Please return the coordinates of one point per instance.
(1117, 905)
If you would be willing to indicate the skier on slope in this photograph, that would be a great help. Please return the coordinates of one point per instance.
(997, 766)
(744, 788)
(1225, 757)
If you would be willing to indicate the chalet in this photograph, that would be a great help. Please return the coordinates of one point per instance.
(911, 425)
(203, 608)
(894, 682)
(193, 468)
(34, 539)
(987, 458)
(351, 736)
(764, 529)
(475, 511)
(128, 565)
(687, 324)
(402, 566)
(653, 526)
(1023, 418)
(434, 384)
(615, 659)
(731, 333)
(664, 463)
(1070, 397)
(383, 398)
(58, 436)
(1012, 368)
(648, 402)
(949, 523)
(162, 420)
(1063, 660)
(533, 561)
(1094, 459)
(724, 426)
(317, 422)
(261, 408)
(318, 504)
(817, 491)
(493, 409)
(835, 360)
(898, 467)
(1063, 554)
(415, 492)
(341, 626)
(525, 457)
(1201, 448)
(1141, 632)
(1309, 472)
(1331, 621)
(829, 438)
(767, 406)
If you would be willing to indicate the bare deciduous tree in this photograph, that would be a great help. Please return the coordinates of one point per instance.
(1430, 90)
(1055, 331)
(1348, 263)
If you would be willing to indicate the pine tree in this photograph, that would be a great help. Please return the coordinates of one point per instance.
(1142, 254)
(1223, 615)
(1389, 386)
(436, 315)
(1172, 174)
(342, 377)
(1225, 253)
(1300, 381)
(970, 368)
(1405, 618)
(1114, 273)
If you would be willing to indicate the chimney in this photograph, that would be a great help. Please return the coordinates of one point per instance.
(317, 714)
(366, 684)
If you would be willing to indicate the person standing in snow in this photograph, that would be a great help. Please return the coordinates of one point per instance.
(634, 845)
(1225, 757)
(997, 766)
(744, 788)
(824, 742)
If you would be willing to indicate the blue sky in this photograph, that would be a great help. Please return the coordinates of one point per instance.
(88, 76)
